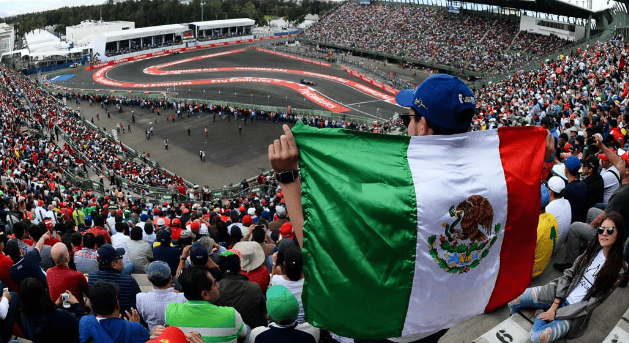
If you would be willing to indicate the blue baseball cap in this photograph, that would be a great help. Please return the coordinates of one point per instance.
(158, 271)
(545, 196)
(573, 164)
(107, 253)
(198, 254)
(444, 100)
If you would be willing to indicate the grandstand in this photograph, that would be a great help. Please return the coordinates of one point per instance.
(481, 39)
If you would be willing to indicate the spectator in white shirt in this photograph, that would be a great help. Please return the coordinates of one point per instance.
(152, 306)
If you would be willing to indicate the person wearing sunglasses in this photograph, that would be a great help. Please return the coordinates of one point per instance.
(565, 305)
(441, 105)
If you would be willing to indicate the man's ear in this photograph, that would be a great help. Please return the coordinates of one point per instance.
(205, 294)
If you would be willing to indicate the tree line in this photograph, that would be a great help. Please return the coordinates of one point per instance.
(162, 12)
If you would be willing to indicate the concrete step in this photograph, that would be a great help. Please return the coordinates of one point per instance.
(142, 280)
(514, 329)
(620, 333)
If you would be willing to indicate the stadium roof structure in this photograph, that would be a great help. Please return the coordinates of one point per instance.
(546, 6)
(143, 32)
(217, 24)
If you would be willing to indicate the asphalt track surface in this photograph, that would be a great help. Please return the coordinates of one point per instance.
(358, 102)
(230, 156)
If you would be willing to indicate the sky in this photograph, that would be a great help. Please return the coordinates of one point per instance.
(14, 7)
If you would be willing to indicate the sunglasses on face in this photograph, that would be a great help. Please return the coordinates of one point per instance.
(406, 120)
(610, 230)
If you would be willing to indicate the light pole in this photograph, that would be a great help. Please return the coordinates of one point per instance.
(252, 99)
(268, 100)
(202, 5)
(219, 95)
(234, 96)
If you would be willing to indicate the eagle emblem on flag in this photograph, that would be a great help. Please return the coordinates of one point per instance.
(462, 248)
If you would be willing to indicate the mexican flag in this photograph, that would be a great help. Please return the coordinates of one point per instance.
(407, 235)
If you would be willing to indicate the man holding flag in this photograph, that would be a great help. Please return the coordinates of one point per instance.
(467, 222)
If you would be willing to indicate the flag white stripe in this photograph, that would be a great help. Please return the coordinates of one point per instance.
(446, 171)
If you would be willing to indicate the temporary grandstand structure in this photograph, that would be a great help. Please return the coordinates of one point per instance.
(86, 28)
(222, 28)
(126, 41)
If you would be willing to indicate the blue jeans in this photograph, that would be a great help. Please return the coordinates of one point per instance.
(542, 331)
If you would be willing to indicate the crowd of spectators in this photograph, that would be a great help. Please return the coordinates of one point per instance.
(237, 257)
(421, 33)
(88, 146)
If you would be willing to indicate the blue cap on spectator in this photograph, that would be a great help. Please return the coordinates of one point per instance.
(158, 271)
(573, 164)
(545, 196)
(443, 99)
(144, 217)
(88, 221)
(198, 254)
(107, 253)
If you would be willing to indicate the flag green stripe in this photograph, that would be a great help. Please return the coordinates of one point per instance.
(360, 230)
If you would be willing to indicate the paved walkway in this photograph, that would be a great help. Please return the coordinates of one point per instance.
(183, 159)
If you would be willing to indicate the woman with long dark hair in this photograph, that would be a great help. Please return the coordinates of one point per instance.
(566, 304)
(41, 318)
(292, 277)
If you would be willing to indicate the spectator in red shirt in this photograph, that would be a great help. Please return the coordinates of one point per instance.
(252, 263)
(176, 229)
(61, 278)
(98, 228)
(615, 131)
(5, 266)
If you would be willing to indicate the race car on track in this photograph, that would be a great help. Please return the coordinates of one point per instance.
(307, 82)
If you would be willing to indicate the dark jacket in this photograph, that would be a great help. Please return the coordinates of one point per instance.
(246, 297)
(39, 328)
(595, 189)
(581, 312)
(128, 286)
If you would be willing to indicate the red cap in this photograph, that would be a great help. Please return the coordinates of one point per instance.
(603, 157)
(171, 334)
(247, 220)
(195, 226)
(286, 229)
(176, 222)
(625, 157)
(567, 147)
(242, 209)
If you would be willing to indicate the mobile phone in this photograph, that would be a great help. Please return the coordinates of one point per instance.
(260, 227)
(66, 300)
(5, 289)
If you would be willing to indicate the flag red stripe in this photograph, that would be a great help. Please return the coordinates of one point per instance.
(522, 153)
